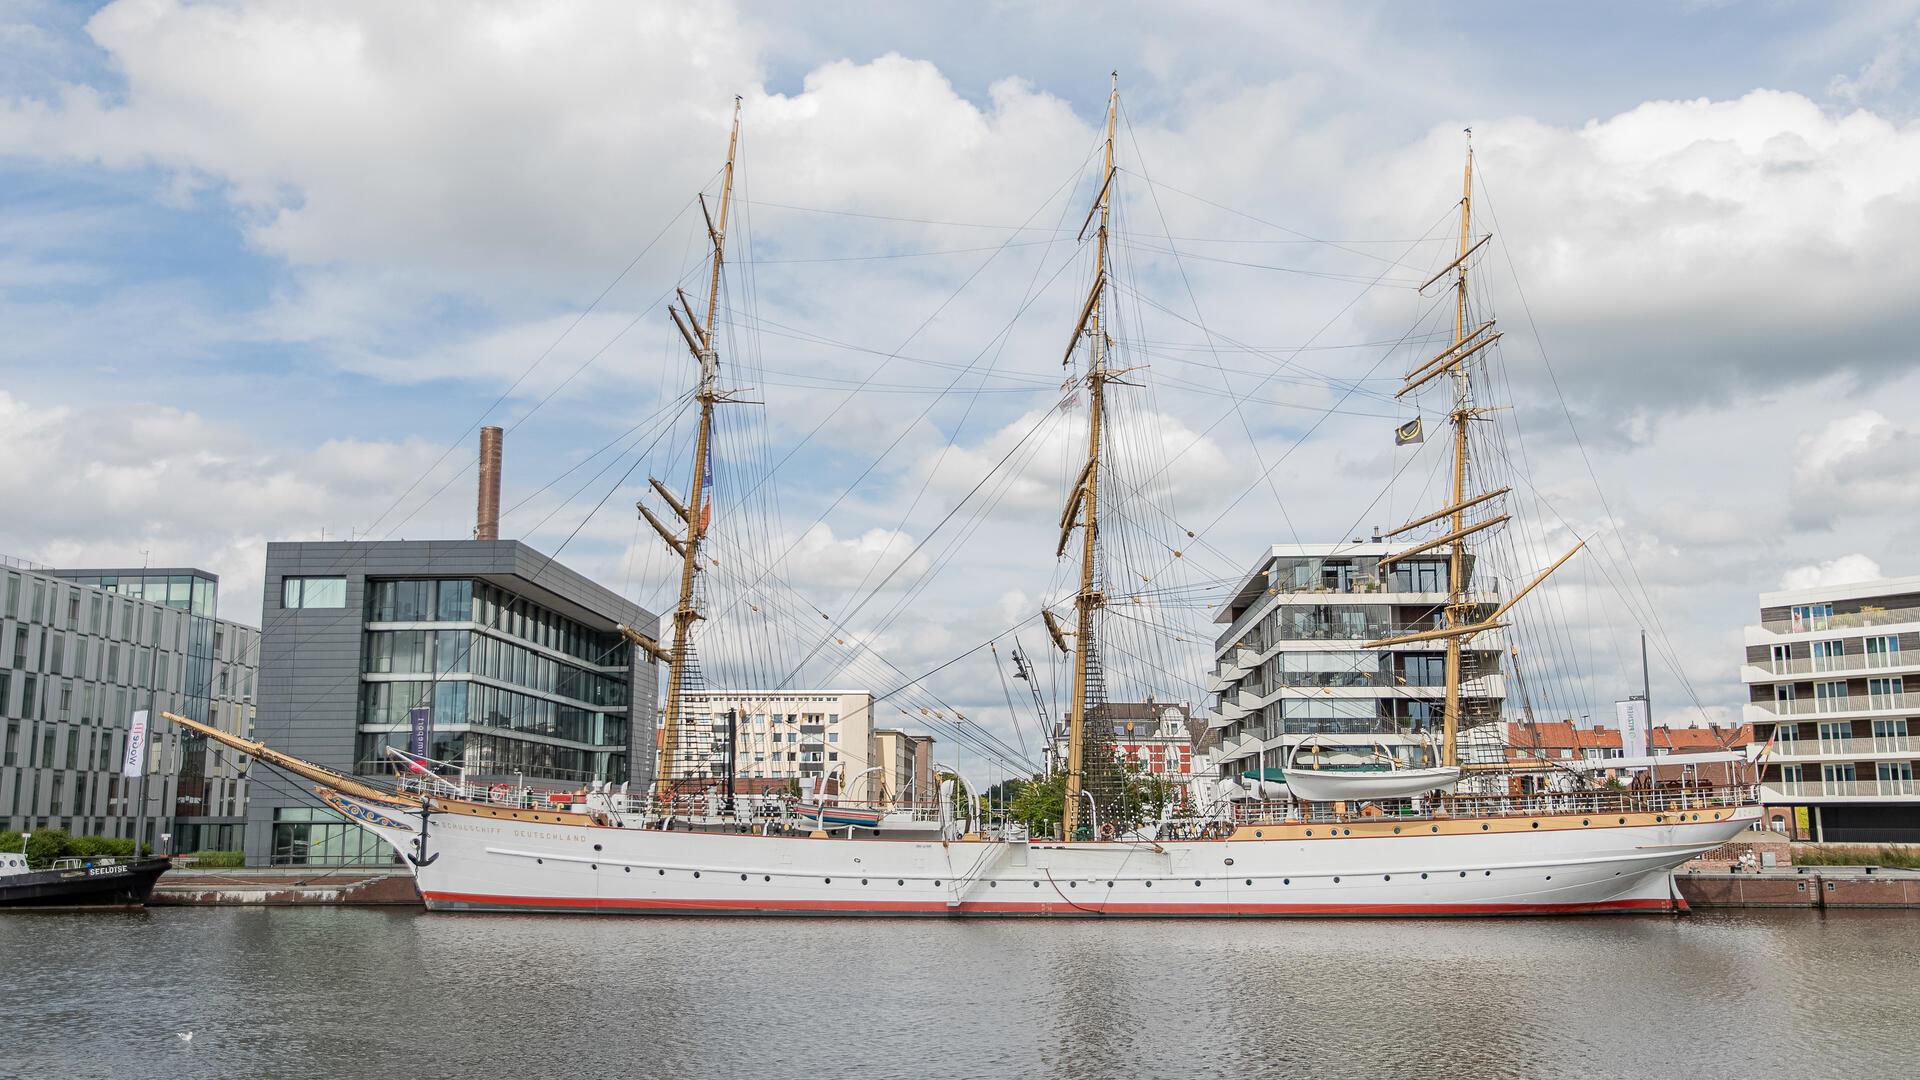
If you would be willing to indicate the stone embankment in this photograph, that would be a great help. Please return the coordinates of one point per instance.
(1755, 870)
(285, 887)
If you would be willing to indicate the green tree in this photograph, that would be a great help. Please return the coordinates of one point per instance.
(47, 845)
(1037, 802)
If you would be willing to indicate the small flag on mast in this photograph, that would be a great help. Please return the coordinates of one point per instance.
(706, 495)
(1410, 432)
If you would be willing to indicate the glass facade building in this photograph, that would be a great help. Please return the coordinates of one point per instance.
(86, 649)
(518, 662)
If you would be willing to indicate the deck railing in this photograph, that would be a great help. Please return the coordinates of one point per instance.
(1616, 802)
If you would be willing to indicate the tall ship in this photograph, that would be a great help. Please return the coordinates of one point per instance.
(1415, 828)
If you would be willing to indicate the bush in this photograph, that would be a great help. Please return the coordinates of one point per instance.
(218, 860)
(1906, 858)
(50, 844)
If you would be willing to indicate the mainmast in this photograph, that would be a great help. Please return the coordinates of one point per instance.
(1457, 606)
(1084, 502)
(1460, 623)
(697, 512)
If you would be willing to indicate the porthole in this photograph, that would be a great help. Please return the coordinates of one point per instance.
(902, 881)
(1486, 873)
(1109, 884)
(1436, 828)
(1463, 873)
(1309, 832)
(828, 880)
(936, 883)
(1423, 877)
(596, 847)
(1386, 877)
(993, 884)
(1536, 824)
(1036, 884)
(627, 869)
(1229, 862)
(1659, 817)
(662, 873)
(593, 866)
(540, 862)
(1396, 830)
(1584, 821)
(1336, 881)
(1483, 826)
(1149, 884)
(1073, 884)
(1196, 884)
(766, 877)
(1623, 821)
(1549, 877)
(1346, 832)
(696, 873)
(1257, 834)
(743, 877)
(1249, 881)
(863, 881)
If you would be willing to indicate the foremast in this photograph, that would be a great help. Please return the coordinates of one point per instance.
(1461, 612)
(696, 513)
(1083, 504)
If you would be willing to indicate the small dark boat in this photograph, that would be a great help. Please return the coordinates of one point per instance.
(88, 882)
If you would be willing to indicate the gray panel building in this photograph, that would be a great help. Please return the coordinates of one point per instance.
(83, 650)
(518, 659)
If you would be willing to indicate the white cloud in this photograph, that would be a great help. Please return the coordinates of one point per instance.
(1845, 570)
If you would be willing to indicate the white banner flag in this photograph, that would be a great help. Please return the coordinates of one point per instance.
(1632, 714)
(135, 762)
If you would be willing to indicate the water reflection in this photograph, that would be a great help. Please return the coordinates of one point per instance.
(350, 994)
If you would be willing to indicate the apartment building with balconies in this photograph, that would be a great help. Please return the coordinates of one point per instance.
(1826, 670)
(1290, 662)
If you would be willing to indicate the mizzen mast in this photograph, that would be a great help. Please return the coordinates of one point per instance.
(1084, 502)
(696, 513)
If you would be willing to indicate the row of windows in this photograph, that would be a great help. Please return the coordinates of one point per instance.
(488, 754)
(41, 604)
(461, 702)
(451, 652)
(496, 609)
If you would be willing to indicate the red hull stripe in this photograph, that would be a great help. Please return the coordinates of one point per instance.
(909, 907)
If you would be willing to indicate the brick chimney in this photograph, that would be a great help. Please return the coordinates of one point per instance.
(487, 519)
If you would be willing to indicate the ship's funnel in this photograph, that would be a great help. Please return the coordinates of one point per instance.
(487, 520)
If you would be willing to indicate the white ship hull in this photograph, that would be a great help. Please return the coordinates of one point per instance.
(1564, 864)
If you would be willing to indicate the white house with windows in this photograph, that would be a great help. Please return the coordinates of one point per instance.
(783, 735)
(1827, 670)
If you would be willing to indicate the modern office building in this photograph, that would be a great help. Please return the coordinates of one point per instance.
(1826, 672)
(781, 737)
(83, 650)
(1290, 665)
(518, 660)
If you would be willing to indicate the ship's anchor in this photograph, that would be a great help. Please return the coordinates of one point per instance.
(422, 859)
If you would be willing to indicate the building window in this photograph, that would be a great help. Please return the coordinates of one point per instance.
(1885, 693)
(1883, 651)
(1830, 696)
(306, 836)
(1890, 735)
(1829, 655)
(314, 592)
(1895, 777)
(1811, 617)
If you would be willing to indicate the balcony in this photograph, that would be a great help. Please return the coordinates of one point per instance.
(1850, 621)
(1858, 664)
(1835, 706)
(1847, 749)
(1785, 790)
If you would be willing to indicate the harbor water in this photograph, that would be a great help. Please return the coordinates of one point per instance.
(344, 994)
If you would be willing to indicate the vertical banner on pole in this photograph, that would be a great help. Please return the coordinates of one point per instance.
(418, 721)
(1632, 714)
(135, 762)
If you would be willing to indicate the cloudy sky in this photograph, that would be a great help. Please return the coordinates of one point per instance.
(264, 266)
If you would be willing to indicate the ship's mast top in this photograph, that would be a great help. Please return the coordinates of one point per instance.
(1084, 501)
(696, 513)
(1463, 618)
